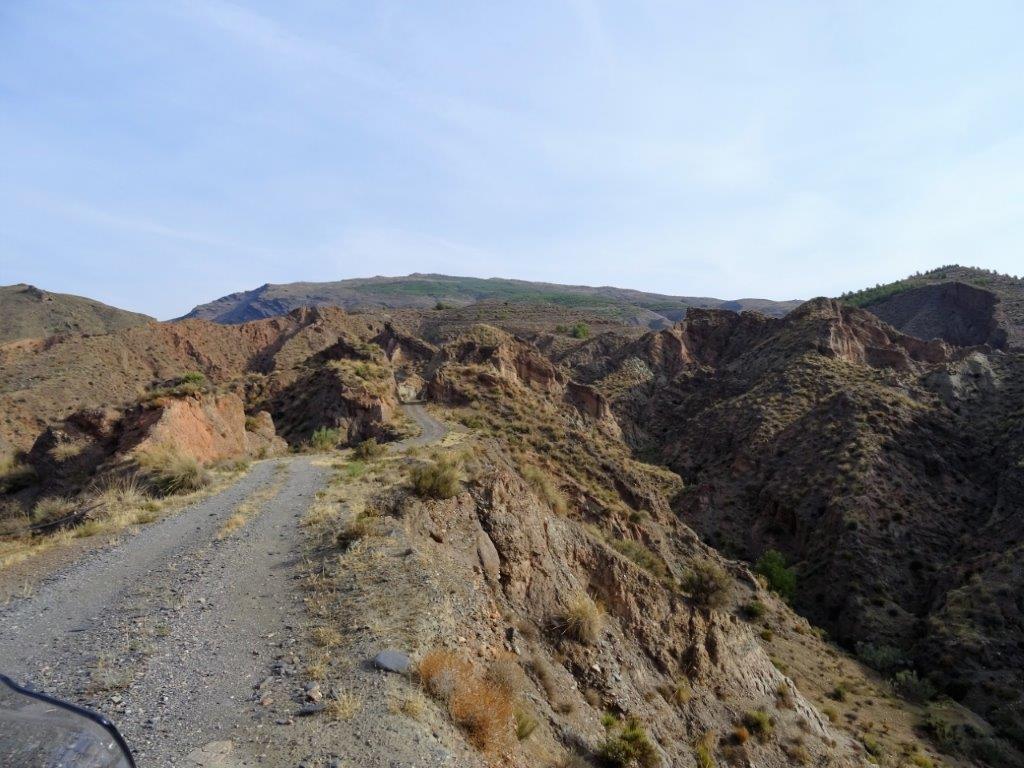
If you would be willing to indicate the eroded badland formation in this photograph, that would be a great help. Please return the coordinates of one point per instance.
(605, 534)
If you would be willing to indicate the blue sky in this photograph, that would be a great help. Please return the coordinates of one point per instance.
(156, 154)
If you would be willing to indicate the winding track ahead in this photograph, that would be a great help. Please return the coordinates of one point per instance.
(168, 631)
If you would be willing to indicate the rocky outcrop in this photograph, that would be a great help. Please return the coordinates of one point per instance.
(330, 397)
(534, 565)
(208, 428)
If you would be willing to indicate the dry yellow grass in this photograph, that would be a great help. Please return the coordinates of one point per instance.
(250, 507)
(342, 706)
(479, 707)
(124, 502)
(326, 637)
(582, 620)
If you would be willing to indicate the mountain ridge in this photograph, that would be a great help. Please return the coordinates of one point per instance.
(427, 290)
(30, 312)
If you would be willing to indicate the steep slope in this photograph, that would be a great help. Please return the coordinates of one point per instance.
(962, 305)
(889, 470)
(31, 313)
(425, 291)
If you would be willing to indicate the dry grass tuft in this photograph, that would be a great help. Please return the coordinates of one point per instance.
(326, 637)
(171, 472)
(65, 451)
(342, 706)
(52, 508)
(582, 620)
(545, 488)
(438, 479)
(479, 707)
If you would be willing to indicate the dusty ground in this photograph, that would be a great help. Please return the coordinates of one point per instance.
(193, 636)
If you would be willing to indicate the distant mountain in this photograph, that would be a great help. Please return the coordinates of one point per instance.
(962, 305)
(426, 291)
(29, 312)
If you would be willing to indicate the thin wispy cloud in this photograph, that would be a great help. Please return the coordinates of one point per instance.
(698, 149)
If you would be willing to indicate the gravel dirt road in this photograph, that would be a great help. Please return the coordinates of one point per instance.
(189, 642)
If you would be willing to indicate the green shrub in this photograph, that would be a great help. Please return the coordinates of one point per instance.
(325, 439)
(642, 556)
(580, 331)
(885, 658)
(708, 584)
(702, 750)
(628, 745)
(369, 449)
(754, 610)
(759, 723)
(782, 580)
(911, 687)
(526, 723)
(872, 745)
(438, 479)
(194, 377)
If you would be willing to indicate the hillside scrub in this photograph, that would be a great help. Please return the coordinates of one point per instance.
(780, 579)
(170, 472)
(708, 584)
(582, 620)
(440, 478)
(484, 711)
(325, 439)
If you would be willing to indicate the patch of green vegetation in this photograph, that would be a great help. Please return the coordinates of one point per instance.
(753, 610)
(913, 688)
(759, 723)
(627, 745)
(438, 479)
(642, 556)
(369, 449)
(781, 580)
(325, 439)
(580, 331)
(885, 658)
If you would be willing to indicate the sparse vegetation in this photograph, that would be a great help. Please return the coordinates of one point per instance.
(885, 658)
(911, 687)
(342, 706)
(753, 610)
(627, 744)
(15, 474)
(52, 508)
(780, 579)
(708, 584)
(703, 750)
(582, 620)
(170, 472)
(369, 449)
(325, 439)
(526, 723)
(545, 488)
(480, 708)
(759, 723)
(440, 478)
